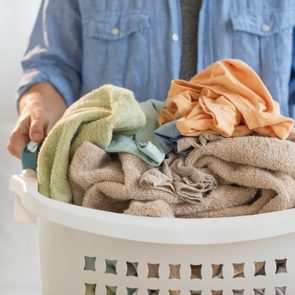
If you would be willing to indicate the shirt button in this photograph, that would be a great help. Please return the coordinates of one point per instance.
(266, 27)
(175, 37)
(115, 31)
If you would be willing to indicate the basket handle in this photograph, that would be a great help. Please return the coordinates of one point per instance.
(21, 214)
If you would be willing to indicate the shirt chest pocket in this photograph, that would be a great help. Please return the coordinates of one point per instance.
(263, 39)
(117, 46)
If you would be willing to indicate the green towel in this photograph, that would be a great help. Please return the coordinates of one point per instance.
(95, 118)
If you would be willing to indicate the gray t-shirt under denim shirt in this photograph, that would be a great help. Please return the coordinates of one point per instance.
(190, 15)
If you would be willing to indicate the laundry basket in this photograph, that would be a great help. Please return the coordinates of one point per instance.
(84, 249)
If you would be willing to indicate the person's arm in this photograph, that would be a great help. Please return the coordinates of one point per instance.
(54, 54)
(52, 72)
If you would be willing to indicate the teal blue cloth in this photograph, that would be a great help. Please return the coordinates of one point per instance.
(168, 135)
(144, 143)
(29, 156)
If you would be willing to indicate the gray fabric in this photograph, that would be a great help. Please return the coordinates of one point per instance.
(190, 16)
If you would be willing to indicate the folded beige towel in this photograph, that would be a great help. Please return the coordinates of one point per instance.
(257, 162)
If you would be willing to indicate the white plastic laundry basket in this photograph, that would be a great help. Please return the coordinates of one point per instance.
(77, 244)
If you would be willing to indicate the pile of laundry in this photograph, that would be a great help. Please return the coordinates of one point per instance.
(217, 147)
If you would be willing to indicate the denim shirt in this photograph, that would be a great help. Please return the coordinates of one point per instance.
(78, 45)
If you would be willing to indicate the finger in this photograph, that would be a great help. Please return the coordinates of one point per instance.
(17, 140)
(38, 126)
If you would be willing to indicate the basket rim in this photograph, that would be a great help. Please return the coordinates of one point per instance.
(178, 231)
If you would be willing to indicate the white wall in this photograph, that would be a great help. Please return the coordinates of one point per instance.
(19, 274)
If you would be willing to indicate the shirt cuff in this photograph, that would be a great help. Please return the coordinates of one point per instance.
(56, 79)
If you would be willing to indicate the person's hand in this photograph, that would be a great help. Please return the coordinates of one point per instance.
(40, 108)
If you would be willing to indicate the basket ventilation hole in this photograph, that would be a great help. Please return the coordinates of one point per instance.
(153, 292)
(281, 265)
(174, 271)
(280, 290)
(196, 292)
(111, 266)
(90, 289)
(238, 270)
(260, 269)
(132, 269)
(216, 292)
(174, 292)
(132, 291)
(111, 290)
(196, 271)
(153, 271)
(89, 263)
(238, 292)
(259, 291)
(217, 271)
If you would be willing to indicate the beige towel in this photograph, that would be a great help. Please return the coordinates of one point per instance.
(187, 142)
(100, 180)
(157, 208)
(188, 183)
(255, 175)
(257, 162)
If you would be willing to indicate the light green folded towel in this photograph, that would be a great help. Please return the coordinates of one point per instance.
(95, 118)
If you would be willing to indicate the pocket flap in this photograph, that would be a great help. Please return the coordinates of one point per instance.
(114, 27)
(263, 23)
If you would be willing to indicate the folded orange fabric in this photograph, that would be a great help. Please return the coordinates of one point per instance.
(227, 98)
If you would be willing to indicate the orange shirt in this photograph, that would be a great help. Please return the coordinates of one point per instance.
(226, 98)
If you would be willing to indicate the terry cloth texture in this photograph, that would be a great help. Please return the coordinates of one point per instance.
(143, 143)
(253, 162)
(188, 183)
(227, 98)
(255, 174)
(187, 143)
(95, 118)
(101, 180)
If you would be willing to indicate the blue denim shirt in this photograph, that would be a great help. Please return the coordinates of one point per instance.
(78, 45)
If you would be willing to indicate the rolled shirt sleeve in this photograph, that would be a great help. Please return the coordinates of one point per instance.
(55, 49)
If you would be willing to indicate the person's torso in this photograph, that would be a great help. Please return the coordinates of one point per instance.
(137, 43)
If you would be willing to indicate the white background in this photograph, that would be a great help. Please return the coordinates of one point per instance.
(19, 273)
